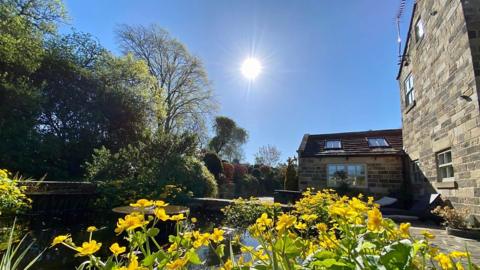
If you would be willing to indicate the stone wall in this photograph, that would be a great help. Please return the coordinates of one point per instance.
(445, 114)
(384, 173)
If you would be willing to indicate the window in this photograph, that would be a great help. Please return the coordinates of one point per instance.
(409, 93)
(419, 31)
(416, 172)
(377, 142)
(352, 174)
(333, 144)
(445, 166)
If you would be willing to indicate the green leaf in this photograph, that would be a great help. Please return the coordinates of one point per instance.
(220, 250)
(397, 255)
(152, 232)
(193, 257)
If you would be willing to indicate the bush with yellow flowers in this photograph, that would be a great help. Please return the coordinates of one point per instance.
(347, 233)
(12, 194)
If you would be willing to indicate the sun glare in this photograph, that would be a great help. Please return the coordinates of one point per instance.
(251, 68)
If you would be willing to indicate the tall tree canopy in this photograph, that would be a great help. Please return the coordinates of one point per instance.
(182, 80)
(268, 155)
(228, 139)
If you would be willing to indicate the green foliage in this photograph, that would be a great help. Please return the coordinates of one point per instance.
(12, 195)
(228, 138)
(291, 177)
(145, 169)
(14, 255)
(213, 163)
(244, 212)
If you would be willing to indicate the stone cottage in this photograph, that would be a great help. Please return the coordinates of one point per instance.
(369, 161)
(439, 79)
(439, 83)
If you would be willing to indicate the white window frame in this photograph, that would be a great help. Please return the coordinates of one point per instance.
(446, 165)
(377, 138)
(345, 167)
(419, 30)
(327, 141)
(409, 90)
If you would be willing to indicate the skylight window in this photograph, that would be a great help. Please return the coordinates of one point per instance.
(333, 144)
(377, 142)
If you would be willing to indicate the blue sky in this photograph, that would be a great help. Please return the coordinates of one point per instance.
(328, 66)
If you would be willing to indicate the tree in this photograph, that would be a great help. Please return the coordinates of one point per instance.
(291, 177)
(268, 155)
(23, 27)
(183, 84)
(213, 163)
(228, 138)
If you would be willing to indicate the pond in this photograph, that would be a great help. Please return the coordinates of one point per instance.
(42, 229)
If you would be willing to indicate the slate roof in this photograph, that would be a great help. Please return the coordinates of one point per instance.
(353, 144)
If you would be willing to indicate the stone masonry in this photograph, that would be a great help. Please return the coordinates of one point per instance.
(384, 173)
(445, 65)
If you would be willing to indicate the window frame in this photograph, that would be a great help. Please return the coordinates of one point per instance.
(443, 165)
(345, 167)
(419, 37)
(333, 148)
(409, 89)
(379, 146)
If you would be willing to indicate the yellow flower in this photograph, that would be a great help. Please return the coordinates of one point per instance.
(264, 221)
(217, 235)
(3, 173)
(300, 226)
(374, 220)
(142, 203)
(404, 230)
(88, 248)
(285, 221)
(228, 265)
(458, 254)
(322, 227)
(131, 222)
(309, 218)
(178, 217)
(92, 229)
(60, 239)
(177, 264)
(444, 261)
(160, 203)
(116, 249)
(194, 220)
(161, 214)
(459, 266)
(173, 247)
(200, 239)
(133, 264)
(428, 235)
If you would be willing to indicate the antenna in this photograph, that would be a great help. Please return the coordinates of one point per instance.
(401, 9)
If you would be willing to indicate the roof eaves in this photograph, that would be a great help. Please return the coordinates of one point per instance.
(407, 40)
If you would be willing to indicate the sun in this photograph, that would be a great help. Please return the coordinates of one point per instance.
(251, 68)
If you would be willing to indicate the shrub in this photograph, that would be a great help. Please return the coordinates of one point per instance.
(291, 178)
(452, 217)
(247, 186)
(213, 163)
(239, 170)
(12, 195)
(244, 212)
(228, 171)
(145, 169)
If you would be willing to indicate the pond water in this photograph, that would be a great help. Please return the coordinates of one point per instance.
(42, 229)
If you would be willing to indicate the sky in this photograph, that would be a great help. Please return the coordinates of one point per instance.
(328, 66)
